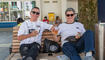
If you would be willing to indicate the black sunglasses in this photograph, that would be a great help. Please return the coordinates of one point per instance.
(37, 13)
(69, 15)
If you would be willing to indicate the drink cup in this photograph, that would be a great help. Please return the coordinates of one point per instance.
(55, 31)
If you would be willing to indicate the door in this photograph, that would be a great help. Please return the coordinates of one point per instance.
(51, 18)
(51, 6)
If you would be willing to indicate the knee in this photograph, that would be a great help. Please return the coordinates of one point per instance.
(25, 48)
(89, 32)
(23, 51)
(68, 48)
(28, 58)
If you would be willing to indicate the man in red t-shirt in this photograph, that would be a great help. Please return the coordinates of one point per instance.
(46, 20)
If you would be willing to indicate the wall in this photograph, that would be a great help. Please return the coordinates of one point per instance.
(51, 6)
(73, 4)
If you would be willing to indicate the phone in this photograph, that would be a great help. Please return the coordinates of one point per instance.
(31, 30)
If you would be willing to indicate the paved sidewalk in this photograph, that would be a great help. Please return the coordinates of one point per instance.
(5, 42)
(42, 56)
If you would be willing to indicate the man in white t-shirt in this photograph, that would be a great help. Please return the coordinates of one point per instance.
(74, 38)
(30, 33)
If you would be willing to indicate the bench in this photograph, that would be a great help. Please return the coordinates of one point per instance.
(16, 43)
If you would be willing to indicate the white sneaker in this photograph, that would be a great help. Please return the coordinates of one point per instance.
(29, 58)
(19, 59)
(88, 58)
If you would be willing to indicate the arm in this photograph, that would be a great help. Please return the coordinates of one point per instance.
(52, 28)
(48, 26)
(57, 35)
(22, 37)
(80, 33)
(56, 38)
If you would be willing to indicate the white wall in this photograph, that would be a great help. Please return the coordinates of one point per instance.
(73, 4)
(48, 6)
(64, 7)
(38, 4)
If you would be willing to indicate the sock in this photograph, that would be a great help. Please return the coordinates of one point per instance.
(89, 53)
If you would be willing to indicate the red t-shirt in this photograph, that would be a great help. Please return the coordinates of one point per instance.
(47, 21)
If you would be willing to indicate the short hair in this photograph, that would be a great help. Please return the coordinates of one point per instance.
(35, 8)
(57, 17)
(45, 17)
(70, 9)
(20, 20)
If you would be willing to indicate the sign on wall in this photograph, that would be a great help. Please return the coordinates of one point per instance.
(51, 17)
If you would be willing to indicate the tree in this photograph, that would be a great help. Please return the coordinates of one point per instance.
(88, 13)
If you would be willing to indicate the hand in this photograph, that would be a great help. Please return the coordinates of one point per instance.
(34, 33)
(55, 31)
(78, 35)
(56, 38)
(52, 28)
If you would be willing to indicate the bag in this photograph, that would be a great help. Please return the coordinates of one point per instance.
(51, 46)
(71, 39)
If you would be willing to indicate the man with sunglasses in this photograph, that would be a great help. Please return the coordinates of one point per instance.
(75, 39)
(30, 33)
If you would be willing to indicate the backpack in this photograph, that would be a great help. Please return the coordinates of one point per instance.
(51, 46)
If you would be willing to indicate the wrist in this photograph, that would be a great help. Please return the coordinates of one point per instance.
(29, 35)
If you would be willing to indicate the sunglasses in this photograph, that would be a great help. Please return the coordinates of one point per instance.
(37, 13)
(69, 15)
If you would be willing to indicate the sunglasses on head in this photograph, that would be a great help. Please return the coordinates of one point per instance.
(69, 15)
(37, 13)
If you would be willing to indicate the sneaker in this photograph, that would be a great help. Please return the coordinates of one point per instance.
(19, 59)
(88, 58)
(29, 58)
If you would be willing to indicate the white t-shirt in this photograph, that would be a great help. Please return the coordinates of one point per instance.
(66, 30)
(27, 25)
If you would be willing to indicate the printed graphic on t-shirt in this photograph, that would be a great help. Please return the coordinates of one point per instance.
(31, 30)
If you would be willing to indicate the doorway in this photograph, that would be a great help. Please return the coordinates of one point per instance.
(51, 6)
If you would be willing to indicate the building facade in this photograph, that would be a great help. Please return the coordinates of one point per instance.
(10, 10)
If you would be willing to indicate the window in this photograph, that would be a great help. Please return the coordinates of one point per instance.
(55, 1)
(11, 10)
(4, 12)
(46, 1)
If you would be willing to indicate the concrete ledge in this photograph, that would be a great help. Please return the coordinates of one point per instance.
(10, 56)
(42, 56)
